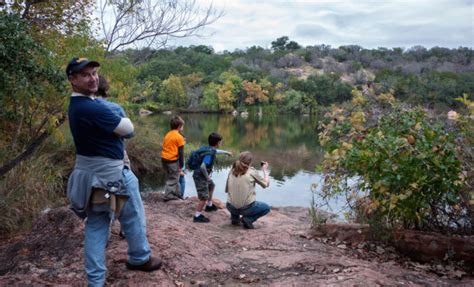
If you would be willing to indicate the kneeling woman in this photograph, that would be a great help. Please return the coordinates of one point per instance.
(240, 188)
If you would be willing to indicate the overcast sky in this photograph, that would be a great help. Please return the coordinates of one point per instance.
(368, 23)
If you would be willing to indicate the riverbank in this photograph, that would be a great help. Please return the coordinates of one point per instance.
(40, 182)
(280, 251)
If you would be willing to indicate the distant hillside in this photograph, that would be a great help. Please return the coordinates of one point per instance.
(297, 79)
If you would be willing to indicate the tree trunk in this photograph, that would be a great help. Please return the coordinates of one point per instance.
(29, 150)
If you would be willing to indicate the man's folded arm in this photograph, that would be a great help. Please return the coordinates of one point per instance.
(124, 128)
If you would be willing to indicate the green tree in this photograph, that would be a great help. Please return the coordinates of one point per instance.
(32, 94)
(236, 81)
(122, 77)
(163, 67)
(210, 96)
(193, 86)
(256, 55)
(293, 102)
(203, 49)
(173, 92)
(279, 43)
(324, 89)
(283, 43)
(226, 97)
(292, 45)
(46, 16)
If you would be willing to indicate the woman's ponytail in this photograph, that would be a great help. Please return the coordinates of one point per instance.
(241, 165)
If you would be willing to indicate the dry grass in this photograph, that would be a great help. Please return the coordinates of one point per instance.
(26, 191)
(144, 150)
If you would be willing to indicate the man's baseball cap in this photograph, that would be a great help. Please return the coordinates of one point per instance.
(77, 64)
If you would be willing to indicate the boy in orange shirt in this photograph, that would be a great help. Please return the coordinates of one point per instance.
(172, 158)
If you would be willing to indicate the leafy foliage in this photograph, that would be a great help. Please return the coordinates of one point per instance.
(407, 166)
(173, 92)
(324, 75)
(283, 43)
(226, 97)
(293, 102)
(33, 89)
(210, 99)
(431, 88)
(45, 17)
(254, 93)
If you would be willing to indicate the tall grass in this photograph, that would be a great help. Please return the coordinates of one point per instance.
(28, 189)
(144, 149)
(36, 184)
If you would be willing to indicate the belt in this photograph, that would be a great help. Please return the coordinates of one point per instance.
(243, 207)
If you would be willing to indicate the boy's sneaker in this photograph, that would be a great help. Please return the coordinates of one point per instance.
(171, 197)
(247, 224)
(201, 218)
(210, 208)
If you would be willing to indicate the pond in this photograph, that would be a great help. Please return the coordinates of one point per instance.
(288, 142)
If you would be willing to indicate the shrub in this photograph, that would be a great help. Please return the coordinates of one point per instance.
(407, 167)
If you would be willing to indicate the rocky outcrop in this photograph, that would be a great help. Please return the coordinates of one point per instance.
(280, 251)
(421, 246)
(429, 247)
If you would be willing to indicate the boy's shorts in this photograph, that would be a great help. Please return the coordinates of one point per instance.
(203, 186)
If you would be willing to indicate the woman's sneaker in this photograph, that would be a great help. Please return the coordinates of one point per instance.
(210, 208)
(201, 218)
(247, 224)
(235, 221)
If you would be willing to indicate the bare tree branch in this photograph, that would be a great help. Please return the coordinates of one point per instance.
(150, 23)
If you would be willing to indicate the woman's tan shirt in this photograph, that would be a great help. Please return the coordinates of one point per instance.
(241, 190)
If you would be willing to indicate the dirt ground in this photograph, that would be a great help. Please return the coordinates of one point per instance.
(280, 251)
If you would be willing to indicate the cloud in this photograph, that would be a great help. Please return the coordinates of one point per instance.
(368, 23)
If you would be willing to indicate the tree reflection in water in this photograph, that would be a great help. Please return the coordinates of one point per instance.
(287, 142)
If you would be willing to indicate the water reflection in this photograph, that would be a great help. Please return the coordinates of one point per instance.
(288, 143)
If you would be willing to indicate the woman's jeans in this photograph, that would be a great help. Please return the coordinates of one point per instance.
(251, 212)
(132, 221)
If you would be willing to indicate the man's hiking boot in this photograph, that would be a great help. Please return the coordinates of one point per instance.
(154, 263)
(210, 208)
(201, 218)
(247, 224)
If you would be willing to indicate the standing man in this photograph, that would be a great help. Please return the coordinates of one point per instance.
(97, 185)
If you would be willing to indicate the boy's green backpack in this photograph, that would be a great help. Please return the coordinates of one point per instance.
(195, 158)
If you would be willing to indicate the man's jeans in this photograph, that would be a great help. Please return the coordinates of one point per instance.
(251, 213)
(132, 221)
